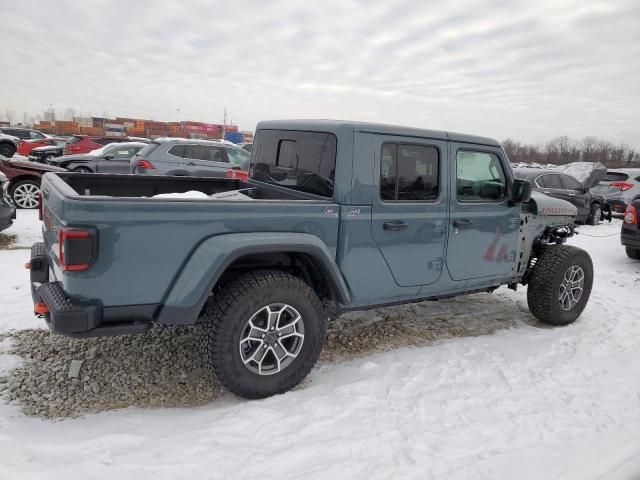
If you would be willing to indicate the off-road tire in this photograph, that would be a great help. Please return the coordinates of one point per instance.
(595, 215)
(7, 149)
(547, 275)
(633, 253)
(229, 309)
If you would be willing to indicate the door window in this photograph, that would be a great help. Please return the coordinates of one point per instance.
(571, 183)
(479, 177)
(35, 135)
(122, 153)
(238, 156)
(552, 181)
(177, 151)
(408, 172)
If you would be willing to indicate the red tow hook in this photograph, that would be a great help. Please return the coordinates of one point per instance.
(40, 308)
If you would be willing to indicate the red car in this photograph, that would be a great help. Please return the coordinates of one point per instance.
(77, 144)
(23, 185)
(26, 146)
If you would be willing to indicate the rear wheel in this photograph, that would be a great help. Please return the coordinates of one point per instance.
(560, 284)
(596, 213)
(82, 170)
(264, 332)
(7, 149)
(26, 194)
(633, 253)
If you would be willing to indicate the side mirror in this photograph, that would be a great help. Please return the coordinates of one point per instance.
(520, 191)
(108, 157)
(585, 189)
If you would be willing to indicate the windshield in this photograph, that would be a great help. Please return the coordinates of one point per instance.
(303, 161)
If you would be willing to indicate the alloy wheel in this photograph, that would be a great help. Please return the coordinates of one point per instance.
(571, 287)
(26, 195)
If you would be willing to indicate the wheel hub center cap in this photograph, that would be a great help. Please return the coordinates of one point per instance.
(270, 338)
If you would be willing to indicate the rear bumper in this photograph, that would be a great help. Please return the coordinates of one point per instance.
(630, 236)
(73, 317)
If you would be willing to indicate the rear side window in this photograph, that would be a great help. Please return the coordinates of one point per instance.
(479, 177)
(408, 172)
(176, 150)
(72, 140)
(147, 149)
(304, 161)
(615, 177)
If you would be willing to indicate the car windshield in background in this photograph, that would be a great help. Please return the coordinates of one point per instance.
(303, 161)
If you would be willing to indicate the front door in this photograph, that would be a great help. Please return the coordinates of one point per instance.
(117, 160)
(409, 208)
(483, 224)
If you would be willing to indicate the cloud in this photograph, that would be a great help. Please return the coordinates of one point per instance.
(523, 69)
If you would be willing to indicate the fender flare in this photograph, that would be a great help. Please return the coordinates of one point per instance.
(201, 271)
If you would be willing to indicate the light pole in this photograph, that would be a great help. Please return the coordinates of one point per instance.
(178, 115)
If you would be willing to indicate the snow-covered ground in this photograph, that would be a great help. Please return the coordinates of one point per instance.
(529, 402)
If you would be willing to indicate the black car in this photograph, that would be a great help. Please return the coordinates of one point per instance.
(23, 133)
(112, 158)
(49, 152)
(565, 187)
(630, 234)
(7, 211)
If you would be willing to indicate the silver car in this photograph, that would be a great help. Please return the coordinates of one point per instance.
(184, 157)
(619, 188)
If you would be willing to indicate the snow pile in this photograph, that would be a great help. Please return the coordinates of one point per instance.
(587, 173)
(196, 195)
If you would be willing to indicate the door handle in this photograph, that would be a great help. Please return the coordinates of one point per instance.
(394, 226)
(191, 164)
(462, 223)
(572, 194)
(546, 192)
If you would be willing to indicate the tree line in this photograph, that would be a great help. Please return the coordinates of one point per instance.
(562, 150)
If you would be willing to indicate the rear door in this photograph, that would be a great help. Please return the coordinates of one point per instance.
(116, 160)
(483, 224)
(206, 160)
(409, 208)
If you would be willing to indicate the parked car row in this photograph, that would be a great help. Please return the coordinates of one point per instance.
(164, 156)
(590, 205)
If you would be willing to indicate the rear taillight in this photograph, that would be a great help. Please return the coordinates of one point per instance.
(237, 174)
(631, 215)
(77, 248)
(40, 216)
(145, 164)
(621, 185)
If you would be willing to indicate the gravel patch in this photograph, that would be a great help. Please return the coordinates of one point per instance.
(67, 377)
(8, 242)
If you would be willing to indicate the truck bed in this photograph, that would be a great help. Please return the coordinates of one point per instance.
(136, 186)
(147, 240)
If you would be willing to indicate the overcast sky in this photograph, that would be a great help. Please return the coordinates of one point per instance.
(529, 70)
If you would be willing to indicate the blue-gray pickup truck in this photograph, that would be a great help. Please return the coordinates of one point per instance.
(335, 216)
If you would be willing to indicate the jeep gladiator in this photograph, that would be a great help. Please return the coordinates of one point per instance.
(338, 216)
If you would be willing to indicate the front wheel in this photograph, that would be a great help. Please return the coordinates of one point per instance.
(264, 332)
(560, 284)
(26, 194)
(48, 158)
(82, 170)
(633, 253)
(596, 213)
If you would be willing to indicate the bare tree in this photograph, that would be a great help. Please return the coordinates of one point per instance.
(9, 115)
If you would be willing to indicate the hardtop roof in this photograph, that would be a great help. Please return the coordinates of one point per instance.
(344, 126)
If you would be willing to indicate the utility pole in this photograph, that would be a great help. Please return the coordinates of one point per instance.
(178, 115)
(224, 124)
